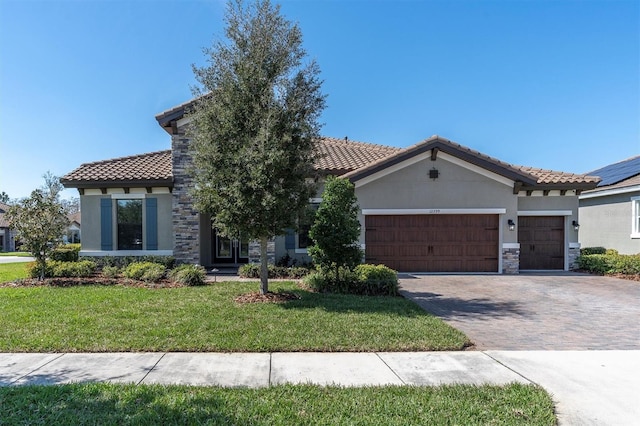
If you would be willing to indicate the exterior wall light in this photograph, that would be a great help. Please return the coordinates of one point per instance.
(512, 225)
(576, 225)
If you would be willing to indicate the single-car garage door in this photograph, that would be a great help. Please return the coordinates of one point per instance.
(541, 241)
(433, 243)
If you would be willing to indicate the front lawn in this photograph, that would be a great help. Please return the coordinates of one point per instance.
(207, 319)
(13, 271)
(103, 403)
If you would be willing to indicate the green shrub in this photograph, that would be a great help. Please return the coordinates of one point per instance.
(191, 275)
(377, 280)
(111, 271)
(84, 268)
(593, 250)
(252, 270)
(610, 263)
(58, 269)
(33, 270)
(144, 271)
(67, 253)
(123, 261)
(326, 282)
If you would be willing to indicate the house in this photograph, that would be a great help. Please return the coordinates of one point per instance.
(7, 236)
(610, 213)
(73, 235)
(436, 206)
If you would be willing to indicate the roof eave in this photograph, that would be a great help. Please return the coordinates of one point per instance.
(129, 183)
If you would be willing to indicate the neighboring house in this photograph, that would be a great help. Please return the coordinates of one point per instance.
(7, 237)
(610, 213)
(73, 231)
(433, 207)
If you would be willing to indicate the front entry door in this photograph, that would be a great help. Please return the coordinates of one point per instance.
(229, 250)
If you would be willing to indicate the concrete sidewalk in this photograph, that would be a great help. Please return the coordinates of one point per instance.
(589, 387)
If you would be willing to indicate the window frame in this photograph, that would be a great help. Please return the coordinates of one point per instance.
(635, 217)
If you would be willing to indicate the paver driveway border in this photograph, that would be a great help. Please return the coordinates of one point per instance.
(533, 311)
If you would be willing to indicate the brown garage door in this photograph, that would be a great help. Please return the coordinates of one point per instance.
(433, 243)
(541, 241)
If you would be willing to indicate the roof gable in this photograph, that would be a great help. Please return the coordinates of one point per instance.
(524, 177)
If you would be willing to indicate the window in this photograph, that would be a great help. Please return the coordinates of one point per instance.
(635, 217)
(304, 241)
(129, 223)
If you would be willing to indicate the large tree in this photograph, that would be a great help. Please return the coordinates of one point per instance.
(40, 220)
(255, 126)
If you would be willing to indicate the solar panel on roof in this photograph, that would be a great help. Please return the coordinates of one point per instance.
(617, 172)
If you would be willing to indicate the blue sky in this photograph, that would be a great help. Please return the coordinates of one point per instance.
(550, 84)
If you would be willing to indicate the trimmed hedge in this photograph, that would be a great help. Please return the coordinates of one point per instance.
(66, 253)
(123, 261)
(57, 269)
(252, 270)
(593, 250)
(367, 280)
(610, 263)
(144, 271)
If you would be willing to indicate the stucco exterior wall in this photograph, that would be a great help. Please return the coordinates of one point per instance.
(90, 218)
(607, 222)
(551, 204)
(456, 187)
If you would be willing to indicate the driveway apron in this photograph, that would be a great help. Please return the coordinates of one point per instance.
(533, 311)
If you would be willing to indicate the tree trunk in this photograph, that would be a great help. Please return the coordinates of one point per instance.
(264, 270)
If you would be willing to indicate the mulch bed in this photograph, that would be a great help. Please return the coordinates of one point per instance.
(95, 280)
(629, 277)
(269, 297)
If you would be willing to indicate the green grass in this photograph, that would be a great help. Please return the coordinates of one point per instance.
(15, 253)
(115, 318)
(13, 271)
(515, 404)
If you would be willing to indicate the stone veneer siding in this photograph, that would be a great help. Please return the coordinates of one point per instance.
(254, 251)
(510, 260)
(574, 252)
(186, 220)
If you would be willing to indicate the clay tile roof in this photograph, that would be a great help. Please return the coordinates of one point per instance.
(527, 175)
(136, 169)
(341, 156)
(555, 177)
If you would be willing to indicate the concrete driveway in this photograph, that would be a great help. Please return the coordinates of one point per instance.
(533, 311)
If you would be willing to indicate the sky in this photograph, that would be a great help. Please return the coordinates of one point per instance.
(549, 84)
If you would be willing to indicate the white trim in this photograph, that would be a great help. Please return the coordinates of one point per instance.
(370, 212)
(301, 251)
(545, 213)
(128, 196)
(574, 245)
(441, 155)
(510, 245)
(635, 217)
(119, 253)
(606, 192)
(315, 200)
(634, 236)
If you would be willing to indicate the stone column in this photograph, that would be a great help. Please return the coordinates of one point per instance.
(510, 260)
(573, 254)
(185, 220)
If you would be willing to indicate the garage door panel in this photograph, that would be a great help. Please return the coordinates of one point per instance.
(541, 241)
(433, 243)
